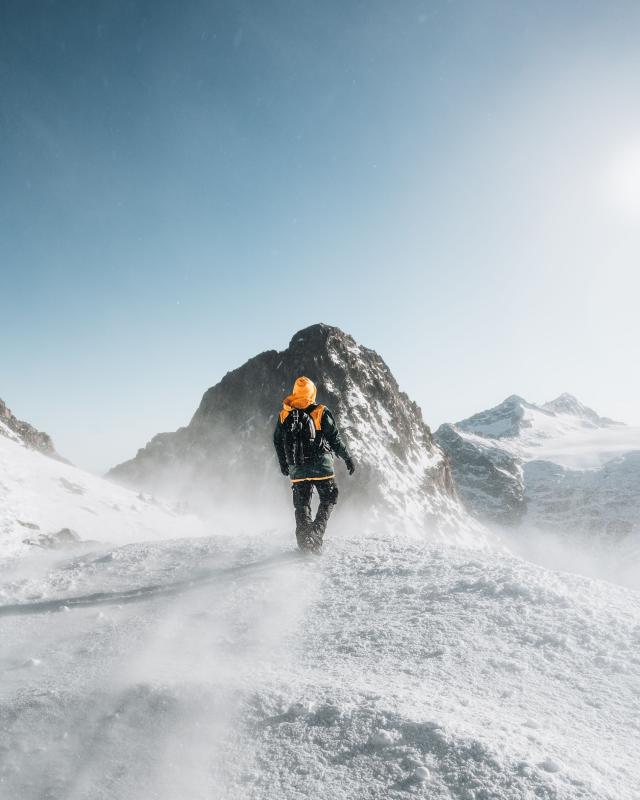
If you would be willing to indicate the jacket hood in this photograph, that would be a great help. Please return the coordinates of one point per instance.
(303, 394)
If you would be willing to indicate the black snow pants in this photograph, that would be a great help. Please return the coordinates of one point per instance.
(305, 526)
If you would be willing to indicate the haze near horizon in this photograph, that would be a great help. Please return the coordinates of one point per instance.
(456, 185)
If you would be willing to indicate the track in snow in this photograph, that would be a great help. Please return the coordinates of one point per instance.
(213, 668)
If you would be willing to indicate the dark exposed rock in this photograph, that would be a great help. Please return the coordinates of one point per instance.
(31, 525)
(25, 433)
(65, 537)
(488, 478)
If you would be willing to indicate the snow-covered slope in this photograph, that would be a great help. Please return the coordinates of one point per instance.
(39, 496)
(150, 661)
(558, 466)
(223, 668)
(225, 455)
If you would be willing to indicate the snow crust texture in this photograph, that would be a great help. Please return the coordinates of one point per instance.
(143, 657)
(387, 668)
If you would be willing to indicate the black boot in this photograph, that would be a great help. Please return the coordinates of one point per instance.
(302, 505)
(328, 492)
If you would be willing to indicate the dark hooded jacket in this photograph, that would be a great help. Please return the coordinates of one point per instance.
(328, 436)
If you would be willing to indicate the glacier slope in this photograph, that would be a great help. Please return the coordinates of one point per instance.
(235, 668)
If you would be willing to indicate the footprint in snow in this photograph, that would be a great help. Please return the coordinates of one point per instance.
(550, 765)
(422, 774)
(384, 738)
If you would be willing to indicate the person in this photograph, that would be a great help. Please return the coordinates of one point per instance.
(305, 438)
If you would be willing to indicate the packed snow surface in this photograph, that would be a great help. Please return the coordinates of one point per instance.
(223, 667)
(142, 659)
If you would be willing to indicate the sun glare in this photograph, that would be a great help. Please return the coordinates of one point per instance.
(623, 181)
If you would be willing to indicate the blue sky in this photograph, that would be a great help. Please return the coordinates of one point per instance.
(183, 185)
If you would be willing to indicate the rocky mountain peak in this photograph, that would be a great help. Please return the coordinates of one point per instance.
(227, 445)
(23, 432)
(567, 403)
(320, 335)
(513, 400)
(502, 421)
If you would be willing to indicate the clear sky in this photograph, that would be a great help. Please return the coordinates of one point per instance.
(186, 184)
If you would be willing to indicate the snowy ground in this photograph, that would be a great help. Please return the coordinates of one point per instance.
(150, 661)
(39, 496)
(227, 668)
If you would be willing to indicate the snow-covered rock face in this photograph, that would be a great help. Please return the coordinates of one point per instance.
(559, 466)
(532, 424)
(489, 479)
(505, 420)
(24, 433)
(226, 450)
(568, 404)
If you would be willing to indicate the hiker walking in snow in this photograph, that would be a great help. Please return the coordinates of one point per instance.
(305, 438)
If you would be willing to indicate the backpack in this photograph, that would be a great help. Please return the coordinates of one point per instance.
(299, 433)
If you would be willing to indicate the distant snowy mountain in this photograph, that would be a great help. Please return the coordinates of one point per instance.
(532, 425)
(489, 478)
(225, 454)
(50, 503)
(567, 404)
(558, 466)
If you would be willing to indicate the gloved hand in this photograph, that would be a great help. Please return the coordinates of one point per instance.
(284, 468)
(350, 466)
